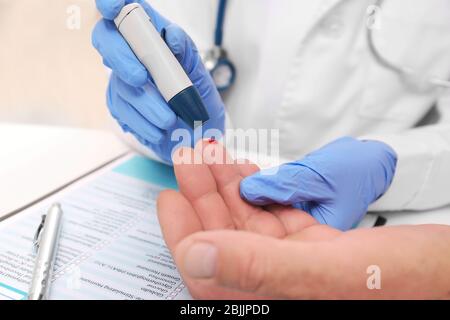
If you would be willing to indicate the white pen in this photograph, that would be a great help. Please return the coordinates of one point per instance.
(45, 243)
(172, 81)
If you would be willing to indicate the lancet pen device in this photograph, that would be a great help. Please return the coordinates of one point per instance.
(172, 81)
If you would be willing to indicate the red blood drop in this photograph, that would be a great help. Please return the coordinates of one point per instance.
(212, 141)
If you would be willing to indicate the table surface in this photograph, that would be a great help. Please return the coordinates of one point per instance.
(37, 160)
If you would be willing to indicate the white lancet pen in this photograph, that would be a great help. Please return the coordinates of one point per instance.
(172, 81)
(46, 244)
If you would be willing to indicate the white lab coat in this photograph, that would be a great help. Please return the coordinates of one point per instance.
(305, 68)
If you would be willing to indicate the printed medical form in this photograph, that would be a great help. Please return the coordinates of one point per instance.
(111, 245)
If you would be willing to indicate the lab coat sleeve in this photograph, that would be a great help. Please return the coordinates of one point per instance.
(422, 178)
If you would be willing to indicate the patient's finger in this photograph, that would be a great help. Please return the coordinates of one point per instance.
(316, 233)
(228, 177)
(293, 220)
(246, 167)
(198, 185)
(176, 217)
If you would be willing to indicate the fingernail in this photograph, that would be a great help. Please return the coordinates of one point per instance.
(200, 261)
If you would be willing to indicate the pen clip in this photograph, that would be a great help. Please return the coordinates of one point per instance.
(37, 235)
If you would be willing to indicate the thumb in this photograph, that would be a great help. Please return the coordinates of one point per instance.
(264, 266)
(290, 184)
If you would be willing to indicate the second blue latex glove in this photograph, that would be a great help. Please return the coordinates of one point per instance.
(133, 99)
(335, 184)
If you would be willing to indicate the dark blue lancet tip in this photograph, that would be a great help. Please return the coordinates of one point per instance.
(188, 105)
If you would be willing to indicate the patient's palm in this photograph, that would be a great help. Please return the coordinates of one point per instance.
(209, 199)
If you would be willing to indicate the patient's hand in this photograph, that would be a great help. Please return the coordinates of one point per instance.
(226, 248)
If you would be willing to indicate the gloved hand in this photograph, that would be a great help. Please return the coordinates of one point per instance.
(133, 99)
(335, 184)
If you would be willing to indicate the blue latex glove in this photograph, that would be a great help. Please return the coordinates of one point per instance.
(335, 184)
(133, 99)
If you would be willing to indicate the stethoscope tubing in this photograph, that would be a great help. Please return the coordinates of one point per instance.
(218, 37)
